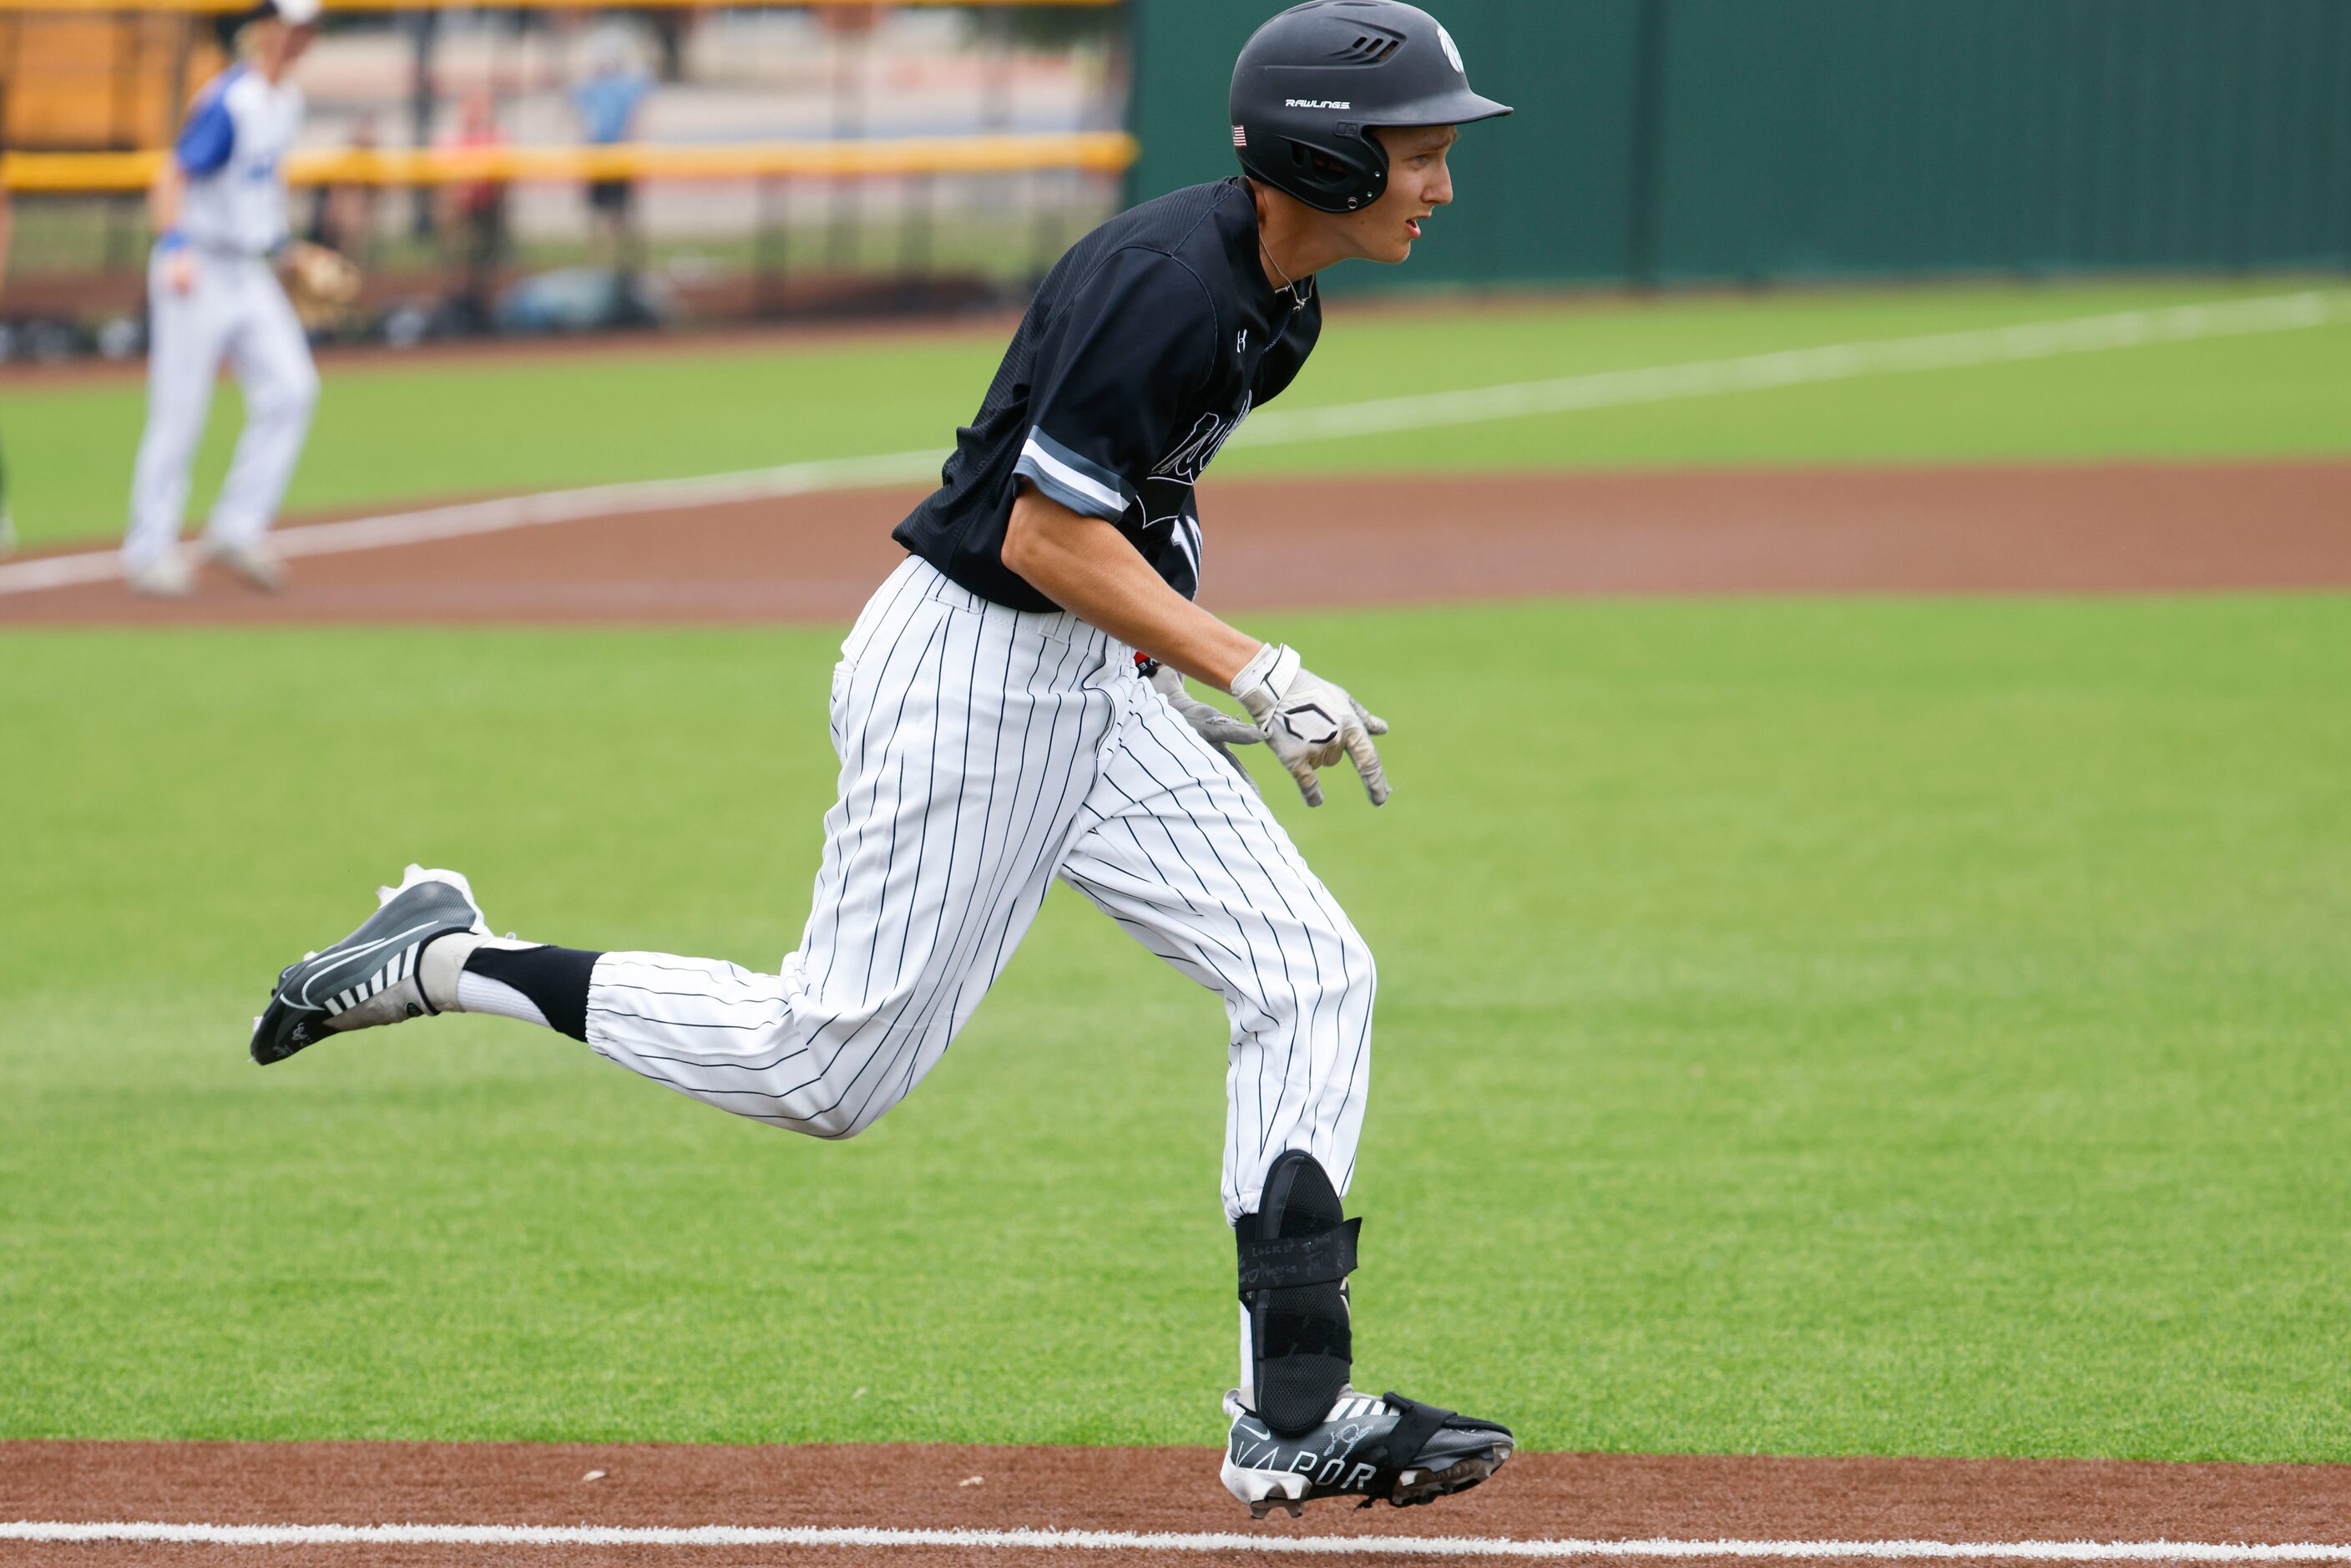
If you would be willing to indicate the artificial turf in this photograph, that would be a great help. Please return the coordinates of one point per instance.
(1813, 1028)
(390, 432)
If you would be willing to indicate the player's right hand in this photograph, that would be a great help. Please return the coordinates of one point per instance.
(180, 271)
(1213, 725)
(1310, 723)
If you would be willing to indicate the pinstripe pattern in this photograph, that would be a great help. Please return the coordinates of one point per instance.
(1183, 855)
(983, 751)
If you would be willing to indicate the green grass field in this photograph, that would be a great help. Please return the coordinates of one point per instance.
(389, 432)
(1838, 1028)
(1852, 1027)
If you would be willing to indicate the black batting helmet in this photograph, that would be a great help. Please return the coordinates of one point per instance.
(1312, 82)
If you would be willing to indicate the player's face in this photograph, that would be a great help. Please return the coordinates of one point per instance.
(1419, 184)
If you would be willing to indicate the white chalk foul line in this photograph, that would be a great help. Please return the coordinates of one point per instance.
(1516, 400)
(1792, 367)
(1660, 1548)
(506, 512)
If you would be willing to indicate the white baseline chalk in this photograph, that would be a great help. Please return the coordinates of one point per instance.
(1420, 411)
(1268, 1544)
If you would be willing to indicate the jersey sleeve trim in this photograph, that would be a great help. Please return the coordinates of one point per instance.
(1085, 487)
(209, 135)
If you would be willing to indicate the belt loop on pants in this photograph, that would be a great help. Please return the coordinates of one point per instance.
(1057, 625)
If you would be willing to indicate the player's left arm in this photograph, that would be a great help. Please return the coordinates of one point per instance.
(1090, 568)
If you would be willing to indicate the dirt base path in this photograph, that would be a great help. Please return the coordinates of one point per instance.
(1536, 1497)
(1289, 542)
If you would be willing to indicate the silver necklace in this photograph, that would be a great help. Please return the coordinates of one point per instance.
(1298, 292)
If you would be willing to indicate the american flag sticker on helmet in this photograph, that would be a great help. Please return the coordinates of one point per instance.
(1240, 137)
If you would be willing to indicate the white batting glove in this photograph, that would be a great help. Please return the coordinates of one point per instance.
(1221, 730)
(1310, 723)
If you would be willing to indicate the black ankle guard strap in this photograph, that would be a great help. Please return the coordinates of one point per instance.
(1415, 1425)
(1278, 1263)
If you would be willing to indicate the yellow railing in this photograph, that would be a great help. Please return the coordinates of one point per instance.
(1106, 152)
(214, 6)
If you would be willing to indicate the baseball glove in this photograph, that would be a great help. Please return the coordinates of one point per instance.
(322, 284)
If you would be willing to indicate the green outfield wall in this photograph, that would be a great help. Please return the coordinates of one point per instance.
(1670, 140)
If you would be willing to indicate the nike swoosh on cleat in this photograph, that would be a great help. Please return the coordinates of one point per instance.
(351, 955)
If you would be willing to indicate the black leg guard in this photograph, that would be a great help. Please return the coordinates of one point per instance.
(1296, 1252)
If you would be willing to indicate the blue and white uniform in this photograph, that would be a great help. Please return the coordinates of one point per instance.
(233, 221)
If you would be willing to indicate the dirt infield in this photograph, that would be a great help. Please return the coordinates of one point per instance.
(1537, 1497)
(1289, 542)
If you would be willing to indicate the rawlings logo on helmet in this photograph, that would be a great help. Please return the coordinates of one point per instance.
(1451, 53)
(1316, 103)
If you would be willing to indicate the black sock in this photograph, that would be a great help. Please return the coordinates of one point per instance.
(554, 979)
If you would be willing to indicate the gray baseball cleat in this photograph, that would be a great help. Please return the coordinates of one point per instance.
(253, 560)
(1390, 1449)
(370, 977)
(166, 577)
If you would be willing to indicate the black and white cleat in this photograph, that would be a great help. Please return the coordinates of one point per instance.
(370, 975)
(1386, 1450)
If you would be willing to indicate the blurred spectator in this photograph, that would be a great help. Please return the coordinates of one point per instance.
(607, 100)
(669, 25)
(343, 216)
(473, 213)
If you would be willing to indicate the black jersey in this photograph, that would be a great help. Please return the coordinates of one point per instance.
(1146, 347)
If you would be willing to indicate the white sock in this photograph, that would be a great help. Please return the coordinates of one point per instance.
(1249, 1362)
(480, 994)
(441, 975)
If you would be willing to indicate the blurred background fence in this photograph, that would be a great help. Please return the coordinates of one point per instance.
(799, 157)
(789, 157)
(1684, 141)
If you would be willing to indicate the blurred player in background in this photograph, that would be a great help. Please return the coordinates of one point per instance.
(8, 523)
(219, 210)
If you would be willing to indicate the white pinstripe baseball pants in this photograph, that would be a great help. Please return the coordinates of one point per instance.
(984, 751)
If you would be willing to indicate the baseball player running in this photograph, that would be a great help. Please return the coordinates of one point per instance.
(1008, 710)
(218, 206)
